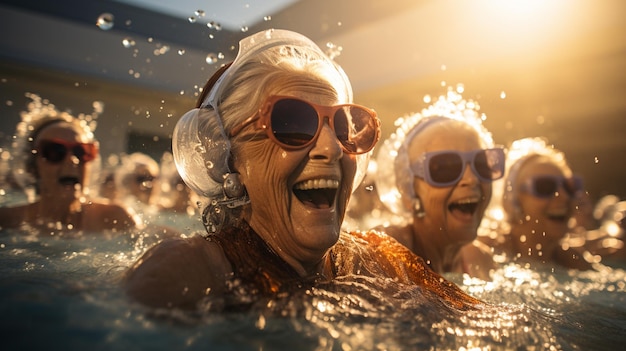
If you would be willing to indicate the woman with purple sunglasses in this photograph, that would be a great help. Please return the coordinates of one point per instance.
(538, 199)
(434, 175)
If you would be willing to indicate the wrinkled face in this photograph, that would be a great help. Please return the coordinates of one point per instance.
(548, 216)
(63, 180)
(297, 197)
(452, 213)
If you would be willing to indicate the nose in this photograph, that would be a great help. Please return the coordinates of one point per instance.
(326, 147)
(468, 178)
(562, 193)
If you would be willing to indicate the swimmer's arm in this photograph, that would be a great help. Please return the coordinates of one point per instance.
(109, 216)
(177, 273)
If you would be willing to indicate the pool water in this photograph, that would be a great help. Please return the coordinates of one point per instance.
(64, 294)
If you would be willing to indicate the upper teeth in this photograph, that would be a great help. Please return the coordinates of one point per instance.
(318, 184)
(466, 201)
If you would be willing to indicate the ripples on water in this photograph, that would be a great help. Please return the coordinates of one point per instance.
(60, 293)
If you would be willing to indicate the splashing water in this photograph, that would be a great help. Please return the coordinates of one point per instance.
(68, 290)
(105, 21)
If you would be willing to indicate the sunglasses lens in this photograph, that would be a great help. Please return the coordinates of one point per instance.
(545, 186)
(489, 164)
(89, 152)
(53, 152)
(355, 129)
(56, 152)
(573, 185)
(294, 122)
(79, 152)
(445, 168)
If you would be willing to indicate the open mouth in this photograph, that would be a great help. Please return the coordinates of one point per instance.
(466, 207)
(69, 181)
(558, 217)
(317, 193)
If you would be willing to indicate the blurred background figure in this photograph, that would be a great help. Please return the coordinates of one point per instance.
(136, 181)
(55, 160)
(178, 204)
(365, 210)
(607, 240)
(107, 185)
(435, 172)
(533, 208)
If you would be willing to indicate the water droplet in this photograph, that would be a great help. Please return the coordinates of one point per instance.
(220, 55)
(191, 19)
(333, 50)
(199, 13)
(427, 99)
(128, 42)
(267, 18)
(596, 160)
(211, 58)
(105, 21)
(502, 95)
(181, 52)
(200, 149)
(444, 67)
(244, 29)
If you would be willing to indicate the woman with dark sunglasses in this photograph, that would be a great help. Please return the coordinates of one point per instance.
(539, 195)
(137, 179)
(54, 159)
(434, 174)
(275, 147)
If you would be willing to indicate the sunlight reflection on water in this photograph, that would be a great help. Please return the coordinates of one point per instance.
(66, 290)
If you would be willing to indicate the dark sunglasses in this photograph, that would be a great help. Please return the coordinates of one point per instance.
(545, 186)
(446, 167)
(144, 180)
(295, 124)
(55, 150)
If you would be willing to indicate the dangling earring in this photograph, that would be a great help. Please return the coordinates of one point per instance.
(218, 212)
(232, 186)
(418, 211)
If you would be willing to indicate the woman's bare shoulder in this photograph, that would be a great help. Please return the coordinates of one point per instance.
(13, 217)
(103, 215)
(178, 272)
